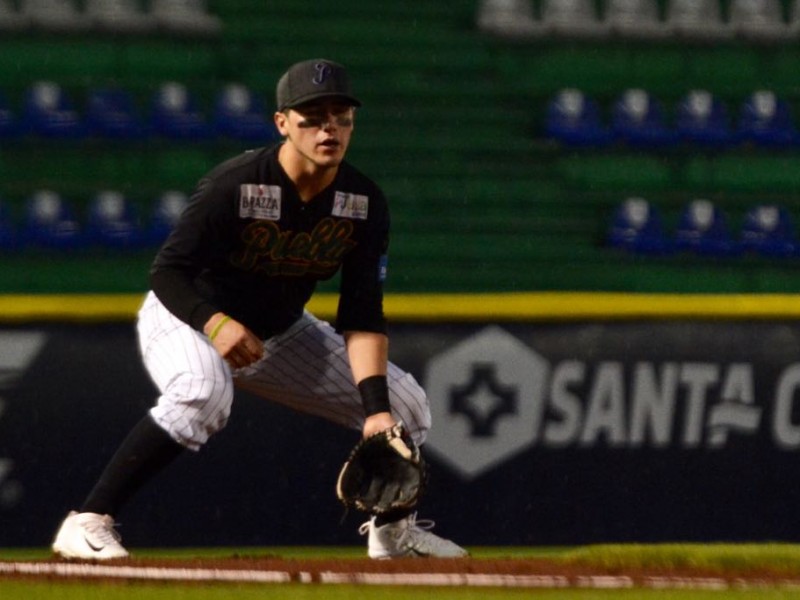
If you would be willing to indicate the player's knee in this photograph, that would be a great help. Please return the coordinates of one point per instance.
(193, 413)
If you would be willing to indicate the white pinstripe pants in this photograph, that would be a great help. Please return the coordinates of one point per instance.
(305, 368)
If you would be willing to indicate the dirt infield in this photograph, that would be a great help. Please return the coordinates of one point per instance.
(538, 573)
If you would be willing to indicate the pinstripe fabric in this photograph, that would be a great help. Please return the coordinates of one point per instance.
(305, 368)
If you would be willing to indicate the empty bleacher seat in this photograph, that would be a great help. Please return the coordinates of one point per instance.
(239, 114)
(574, 19)
(185, 17)
(697, 20)
(8, 227)
(702, 118)
(50, 222)
(573, 118)
(765, 119)
(703, 229)
(508, 18)
(57, 16)
(167, 209)
(638, 120)
(12, 20)
(768, 230)
(175, 113)
(112, 221)
(49, 111)
(636, 20)
(794, 19)
(9, 123)
(759, 21)
(119, 16)
(636, 226)
(111, 112)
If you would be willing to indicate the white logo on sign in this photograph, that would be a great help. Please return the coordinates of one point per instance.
(259, 201)
(17, 351)
(350, 206)
(493, 397)
(484, 395)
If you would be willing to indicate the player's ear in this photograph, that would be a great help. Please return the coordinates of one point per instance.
(282, 123)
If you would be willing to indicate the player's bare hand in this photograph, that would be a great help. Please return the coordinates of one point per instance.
(235, 343)
(377, 423)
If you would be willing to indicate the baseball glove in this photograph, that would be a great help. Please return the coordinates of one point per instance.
(383, 473)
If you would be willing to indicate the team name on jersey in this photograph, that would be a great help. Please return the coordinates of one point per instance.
(259, 201)
(350, 206)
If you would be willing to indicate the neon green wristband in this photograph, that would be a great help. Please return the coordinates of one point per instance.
(217, 327)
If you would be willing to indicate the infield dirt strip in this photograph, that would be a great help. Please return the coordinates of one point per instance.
(524, 573)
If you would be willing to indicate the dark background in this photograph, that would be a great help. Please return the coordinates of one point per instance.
(268, 479)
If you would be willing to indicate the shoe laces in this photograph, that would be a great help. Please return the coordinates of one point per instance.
(102, 529)
(419, 525)
(402, 528)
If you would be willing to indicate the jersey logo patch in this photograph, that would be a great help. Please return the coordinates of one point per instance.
(350, 206)
(259, 201)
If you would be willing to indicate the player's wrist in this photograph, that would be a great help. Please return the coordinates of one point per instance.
(215, 324)
(374, 393)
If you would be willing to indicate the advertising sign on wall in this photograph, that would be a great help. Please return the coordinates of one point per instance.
(544, 433)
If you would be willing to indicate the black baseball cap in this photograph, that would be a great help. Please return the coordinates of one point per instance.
(311, 80)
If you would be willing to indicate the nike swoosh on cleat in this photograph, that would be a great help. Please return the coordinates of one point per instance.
(92, 546)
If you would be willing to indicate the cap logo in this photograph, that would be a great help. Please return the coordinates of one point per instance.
(323, 72)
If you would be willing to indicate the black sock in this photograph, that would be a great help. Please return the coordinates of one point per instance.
(143, 454)
(391, 517)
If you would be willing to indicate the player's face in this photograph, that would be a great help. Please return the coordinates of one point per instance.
(318, 132)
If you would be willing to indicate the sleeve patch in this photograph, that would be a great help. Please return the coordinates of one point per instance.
(382, 267)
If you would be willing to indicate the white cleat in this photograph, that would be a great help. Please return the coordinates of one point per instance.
(88, 536)
(408, 538)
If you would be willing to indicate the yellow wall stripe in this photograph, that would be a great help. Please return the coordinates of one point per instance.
(456, 307)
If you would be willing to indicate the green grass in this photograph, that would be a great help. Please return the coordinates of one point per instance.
(783, 559)
(712, 558)
(100, 591)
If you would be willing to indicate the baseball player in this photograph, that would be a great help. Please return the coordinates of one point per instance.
(226, 310)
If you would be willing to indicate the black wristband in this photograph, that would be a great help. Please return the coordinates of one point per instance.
(374, 394)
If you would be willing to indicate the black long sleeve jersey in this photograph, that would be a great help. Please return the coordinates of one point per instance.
(246, 245)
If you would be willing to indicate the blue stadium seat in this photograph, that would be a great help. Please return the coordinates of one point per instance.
(768, 230)
(10, 125)
(175, 113)
(111, 112)
(703, 229)
(112, 221)
(166, 212)
(50, 222)
(50, 112)
(238, 114)
(636, 226)
(702, 118)
(766, 120)
(638, 120)
(9, 238)
(574, 119)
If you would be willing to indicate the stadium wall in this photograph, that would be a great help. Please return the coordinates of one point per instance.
(547, 431)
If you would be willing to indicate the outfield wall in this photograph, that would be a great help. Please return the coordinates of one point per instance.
(547, 431)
